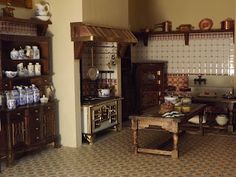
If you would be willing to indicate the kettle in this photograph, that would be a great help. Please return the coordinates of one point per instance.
(42, 8)
(165, 26)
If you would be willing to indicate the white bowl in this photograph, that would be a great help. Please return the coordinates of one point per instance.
(44, 100)
(221, 119)
(11, 74)
(43, 17)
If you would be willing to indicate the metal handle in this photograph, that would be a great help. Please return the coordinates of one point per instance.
(92, 55)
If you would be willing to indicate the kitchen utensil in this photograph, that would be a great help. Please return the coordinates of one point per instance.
(227, 24)
(93, 72)
(205, 24)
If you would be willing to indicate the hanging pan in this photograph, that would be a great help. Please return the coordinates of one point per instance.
(93, 72)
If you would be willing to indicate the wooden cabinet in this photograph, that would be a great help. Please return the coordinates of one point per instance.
(150, 84)
(33, 125)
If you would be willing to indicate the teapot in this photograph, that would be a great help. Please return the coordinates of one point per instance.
(42, 8)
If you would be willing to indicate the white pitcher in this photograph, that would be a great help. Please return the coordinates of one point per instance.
(42, 9)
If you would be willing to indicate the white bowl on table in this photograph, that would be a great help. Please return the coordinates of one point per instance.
(221, 119)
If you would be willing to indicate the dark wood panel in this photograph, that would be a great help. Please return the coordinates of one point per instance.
(18, 3)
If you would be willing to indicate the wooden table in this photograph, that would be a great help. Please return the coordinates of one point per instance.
(151, 117)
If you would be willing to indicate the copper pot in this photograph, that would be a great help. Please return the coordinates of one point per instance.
(227, 24)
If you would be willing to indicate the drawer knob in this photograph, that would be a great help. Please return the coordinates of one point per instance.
(37, 118)
(36, 111)
(18, 113)
(36, 128)
(37, 137)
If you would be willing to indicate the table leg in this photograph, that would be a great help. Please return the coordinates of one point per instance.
(200, 123)
(135, 135)
(175, 152)
(230, 110)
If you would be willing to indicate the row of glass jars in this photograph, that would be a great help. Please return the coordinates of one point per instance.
(22, 95)
(30, 70)
(27, 53)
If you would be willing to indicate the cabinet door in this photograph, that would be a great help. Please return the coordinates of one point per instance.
(17, 128)
(3, 135)
(49, 118)
(150, 84)
(33, 126)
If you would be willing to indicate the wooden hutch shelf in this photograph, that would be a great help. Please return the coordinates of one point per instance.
(30, 125)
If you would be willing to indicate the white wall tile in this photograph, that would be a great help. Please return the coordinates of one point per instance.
(209, 53)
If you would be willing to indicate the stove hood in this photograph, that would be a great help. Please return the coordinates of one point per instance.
(86, 32)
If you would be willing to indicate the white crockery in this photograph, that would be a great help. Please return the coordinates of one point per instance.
(103, 92)
(221, 119)
(44, 99)
(172, 99)
(11, 74)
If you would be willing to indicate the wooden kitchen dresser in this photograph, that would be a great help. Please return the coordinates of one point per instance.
(28, 127)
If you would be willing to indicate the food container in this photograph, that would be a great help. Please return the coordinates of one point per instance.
(103, 92)
(221, 119)
(185, 109)
(186, 100)
(227, 24)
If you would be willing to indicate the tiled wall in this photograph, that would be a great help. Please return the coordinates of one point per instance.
(105, 58)
(207, 53)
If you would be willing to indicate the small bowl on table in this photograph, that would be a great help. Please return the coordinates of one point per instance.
(11, 74)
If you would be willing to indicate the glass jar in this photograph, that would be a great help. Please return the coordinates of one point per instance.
(37, 69)
(36, 52)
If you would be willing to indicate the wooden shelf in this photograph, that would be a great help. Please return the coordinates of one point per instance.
(144, 35)
(41, 26)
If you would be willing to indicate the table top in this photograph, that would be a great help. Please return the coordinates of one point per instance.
(153, 113)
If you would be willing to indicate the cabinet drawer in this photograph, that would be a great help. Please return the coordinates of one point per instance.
(17, 114)
(48, 107)
(34, 137)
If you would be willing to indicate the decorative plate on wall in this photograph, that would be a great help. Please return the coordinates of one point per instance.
(205, 24)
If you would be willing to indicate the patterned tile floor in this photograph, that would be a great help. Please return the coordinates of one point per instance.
(112, 156)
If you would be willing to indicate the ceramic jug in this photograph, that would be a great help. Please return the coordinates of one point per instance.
(42, 9)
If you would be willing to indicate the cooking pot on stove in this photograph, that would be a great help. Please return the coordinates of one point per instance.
(104, 92)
